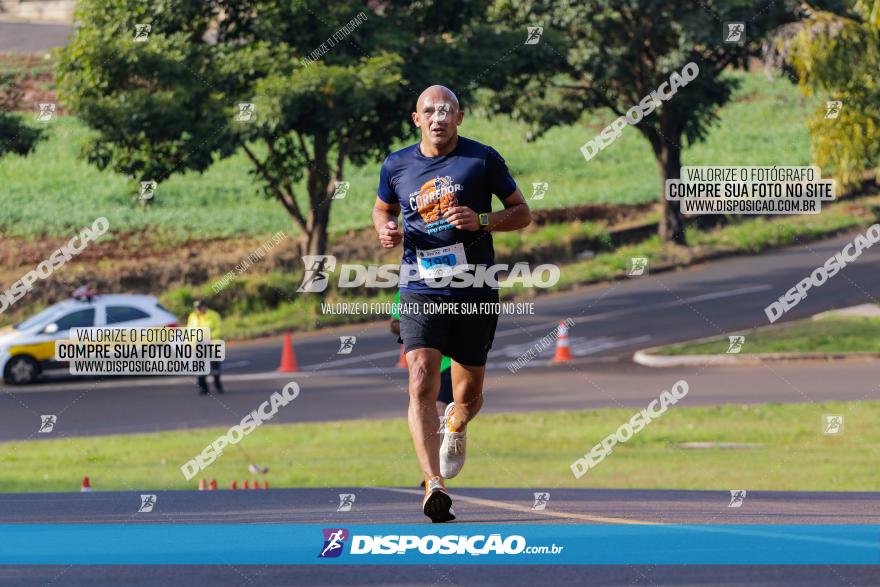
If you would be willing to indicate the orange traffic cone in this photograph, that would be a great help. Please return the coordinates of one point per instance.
(234, 485)
(265, 484)
(288, 358)
(202, 485)
(86, 486)
(401, 362)
(246, 485)
(212, 486)
(563, 352)
(255, 485)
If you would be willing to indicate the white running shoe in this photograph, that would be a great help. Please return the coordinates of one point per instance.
(437, 504)
(452, 449)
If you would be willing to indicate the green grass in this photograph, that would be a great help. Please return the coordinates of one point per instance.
(532, 450)
(838, 334)
(52, 192)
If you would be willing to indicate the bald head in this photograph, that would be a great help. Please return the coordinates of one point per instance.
(437, 94)
(438, 114)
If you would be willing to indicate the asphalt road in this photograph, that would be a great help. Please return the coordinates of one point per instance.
(385, 505)
(611, 321)
(31, 37)
(402, 505)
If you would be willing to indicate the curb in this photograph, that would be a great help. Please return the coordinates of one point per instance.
(646, 358)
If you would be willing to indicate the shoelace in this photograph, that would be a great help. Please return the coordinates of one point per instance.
(453, 444)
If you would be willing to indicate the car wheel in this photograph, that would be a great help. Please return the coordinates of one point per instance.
(20, 370)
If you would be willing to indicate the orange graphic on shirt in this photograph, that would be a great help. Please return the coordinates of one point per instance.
(430, 206)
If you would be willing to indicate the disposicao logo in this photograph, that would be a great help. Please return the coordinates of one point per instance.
(454, 544)
(334, 540)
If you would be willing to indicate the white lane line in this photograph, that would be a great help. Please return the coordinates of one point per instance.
(526, 510)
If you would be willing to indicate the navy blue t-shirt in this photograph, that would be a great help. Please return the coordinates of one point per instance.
(425, 187)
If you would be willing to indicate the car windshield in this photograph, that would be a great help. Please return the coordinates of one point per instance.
(44, 317)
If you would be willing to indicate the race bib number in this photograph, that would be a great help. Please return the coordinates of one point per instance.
(441, 262)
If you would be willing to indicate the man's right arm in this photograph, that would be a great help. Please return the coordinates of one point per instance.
(385, 223)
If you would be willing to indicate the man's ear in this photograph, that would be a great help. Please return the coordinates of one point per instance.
(415, 119)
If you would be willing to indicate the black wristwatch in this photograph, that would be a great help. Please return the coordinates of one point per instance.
(484, 221)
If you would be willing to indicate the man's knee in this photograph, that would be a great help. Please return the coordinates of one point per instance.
(424, 378)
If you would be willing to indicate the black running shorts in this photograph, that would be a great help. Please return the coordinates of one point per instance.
(457, 331)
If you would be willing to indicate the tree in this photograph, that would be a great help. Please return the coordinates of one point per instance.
(15, 136)
(330, 83)
(835, 51)
(620, 51)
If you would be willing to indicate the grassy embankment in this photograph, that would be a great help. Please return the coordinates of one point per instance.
(525, 450)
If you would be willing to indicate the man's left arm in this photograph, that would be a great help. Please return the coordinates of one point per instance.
(516, 215)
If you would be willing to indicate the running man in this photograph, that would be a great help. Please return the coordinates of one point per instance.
(443, 186)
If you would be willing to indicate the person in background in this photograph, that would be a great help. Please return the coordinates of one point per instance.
(84, 293)
(203, 317)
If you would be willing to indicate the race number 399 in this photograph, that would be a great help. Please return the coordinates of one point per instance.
(441, 261)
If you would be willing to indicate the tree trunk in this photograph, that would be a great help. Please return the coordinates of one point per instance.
(320, 186)
(666, 142)
(314, 241)
(672, 221)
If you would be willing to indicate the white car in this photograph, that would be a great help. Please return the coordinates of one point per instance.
(28, 348)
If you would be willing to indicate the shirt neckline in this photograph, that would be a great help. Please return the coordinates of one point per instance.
(438, 157)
